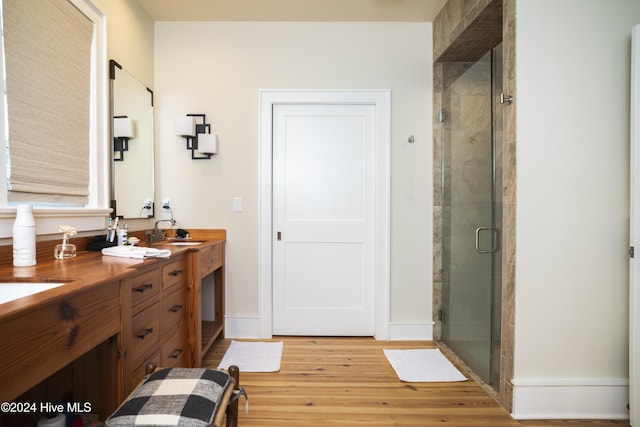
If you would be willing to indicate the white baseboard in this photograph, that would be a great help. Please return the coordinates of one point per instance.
(411, 331)
(241, 327)
(570, 399)
(249, 328)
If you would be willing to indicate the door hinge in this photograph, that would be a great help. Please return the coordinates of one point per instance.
(279, 235)
(632, 252)
(506, 99)
(442, 116)
(441, 315)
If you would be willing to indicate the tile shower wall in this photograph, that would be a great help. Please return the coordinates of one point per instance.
(509, 206)
(463, 31)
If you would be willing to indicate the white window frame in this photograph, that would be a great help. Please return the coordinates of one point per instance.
(92, 216)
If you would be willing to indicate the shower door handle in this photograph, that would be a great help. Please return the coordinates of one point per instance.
(494, 241)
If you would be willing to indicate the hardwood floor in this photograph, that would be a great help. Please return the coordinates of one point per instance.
(574, 423)
(348, 382)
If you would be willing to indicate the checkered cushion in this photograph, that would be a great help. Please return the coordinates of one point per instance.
(174, 397)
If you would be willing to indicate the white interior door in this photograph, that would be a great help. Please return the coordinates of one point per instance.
(323, 219)
(634, 276)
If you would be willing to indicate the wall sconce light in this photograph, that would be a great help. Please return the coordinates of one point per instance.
(123, 130)
(198, 136)
(208, 144)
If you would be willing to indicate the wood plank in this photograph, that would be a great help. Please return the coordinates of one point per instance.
(574, 423)
(348, 382)
(37, 343)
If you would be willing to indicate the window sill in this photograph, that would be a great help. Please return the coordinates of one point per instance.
(48, 220)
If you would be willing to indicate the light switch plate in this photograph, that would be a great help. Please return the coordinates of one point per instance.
(237, 204)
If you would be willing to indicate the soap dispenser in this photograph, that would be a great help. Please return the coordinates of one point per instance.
(24, 237)
(123, 235)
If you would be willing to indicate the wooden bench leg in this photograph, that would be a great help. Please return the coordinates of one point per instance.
(232, 408)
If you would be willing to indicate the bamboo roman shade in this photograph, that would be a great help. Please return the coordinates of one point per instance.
(48, 74)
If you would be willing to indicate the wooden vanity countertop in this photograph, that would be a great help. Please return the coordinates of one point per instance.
(86, 270)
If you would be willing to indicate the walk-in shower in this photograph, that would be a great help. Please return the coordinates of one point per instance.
(472, 212)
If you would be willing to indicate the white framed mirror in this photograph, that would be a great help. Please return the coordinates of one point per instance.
(132, 182)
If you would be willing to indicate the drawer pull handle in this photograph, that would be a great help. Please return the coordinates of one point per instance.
(176, 308)
(176, 353)
(143, 333)
(143, 288)
(175, 273)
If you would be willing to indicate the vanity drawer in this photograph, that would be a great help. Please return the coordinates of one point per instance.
(174, 272)
(174, 307)
(138, 373)
(211, 258)
(145, 331)
(174, 349)
(143, 287)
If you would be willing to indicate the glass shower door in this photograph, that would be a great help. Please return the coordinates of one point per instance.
(470, 235)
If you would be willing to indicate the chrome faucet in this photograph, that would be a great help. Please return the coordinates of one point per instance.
(157, 232)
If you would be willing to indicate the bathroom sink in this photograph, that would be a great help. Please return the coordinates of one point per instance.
(187, 243)
(13, 288)
(10, 291)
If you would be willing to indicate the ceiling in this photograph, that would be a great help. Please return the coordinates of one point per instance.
(293, 10)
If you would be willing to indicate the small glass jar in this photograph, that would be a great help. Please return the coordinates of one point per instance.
(65, 250)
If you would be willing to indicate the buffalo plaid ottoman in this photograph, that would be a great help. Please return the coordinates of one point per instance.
(174, 397)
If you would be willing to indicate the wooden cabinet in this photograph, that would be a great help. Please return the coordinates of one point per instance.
(38, 342)
(153, 313)
(140, 325)
(144, 289)
(174, 307)
(210, 259)
(174, 348)
(112, 317)
(173, 313)
(144, 333)
(206, 299)
(174, 272)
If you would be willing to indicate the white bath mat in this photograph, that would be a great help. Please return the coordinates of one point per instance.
(424, 365)
(253, 356)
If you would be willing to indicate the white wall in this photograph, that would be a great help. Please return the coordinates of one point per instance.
(571, 346)
(219, 68)
(129, 37)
